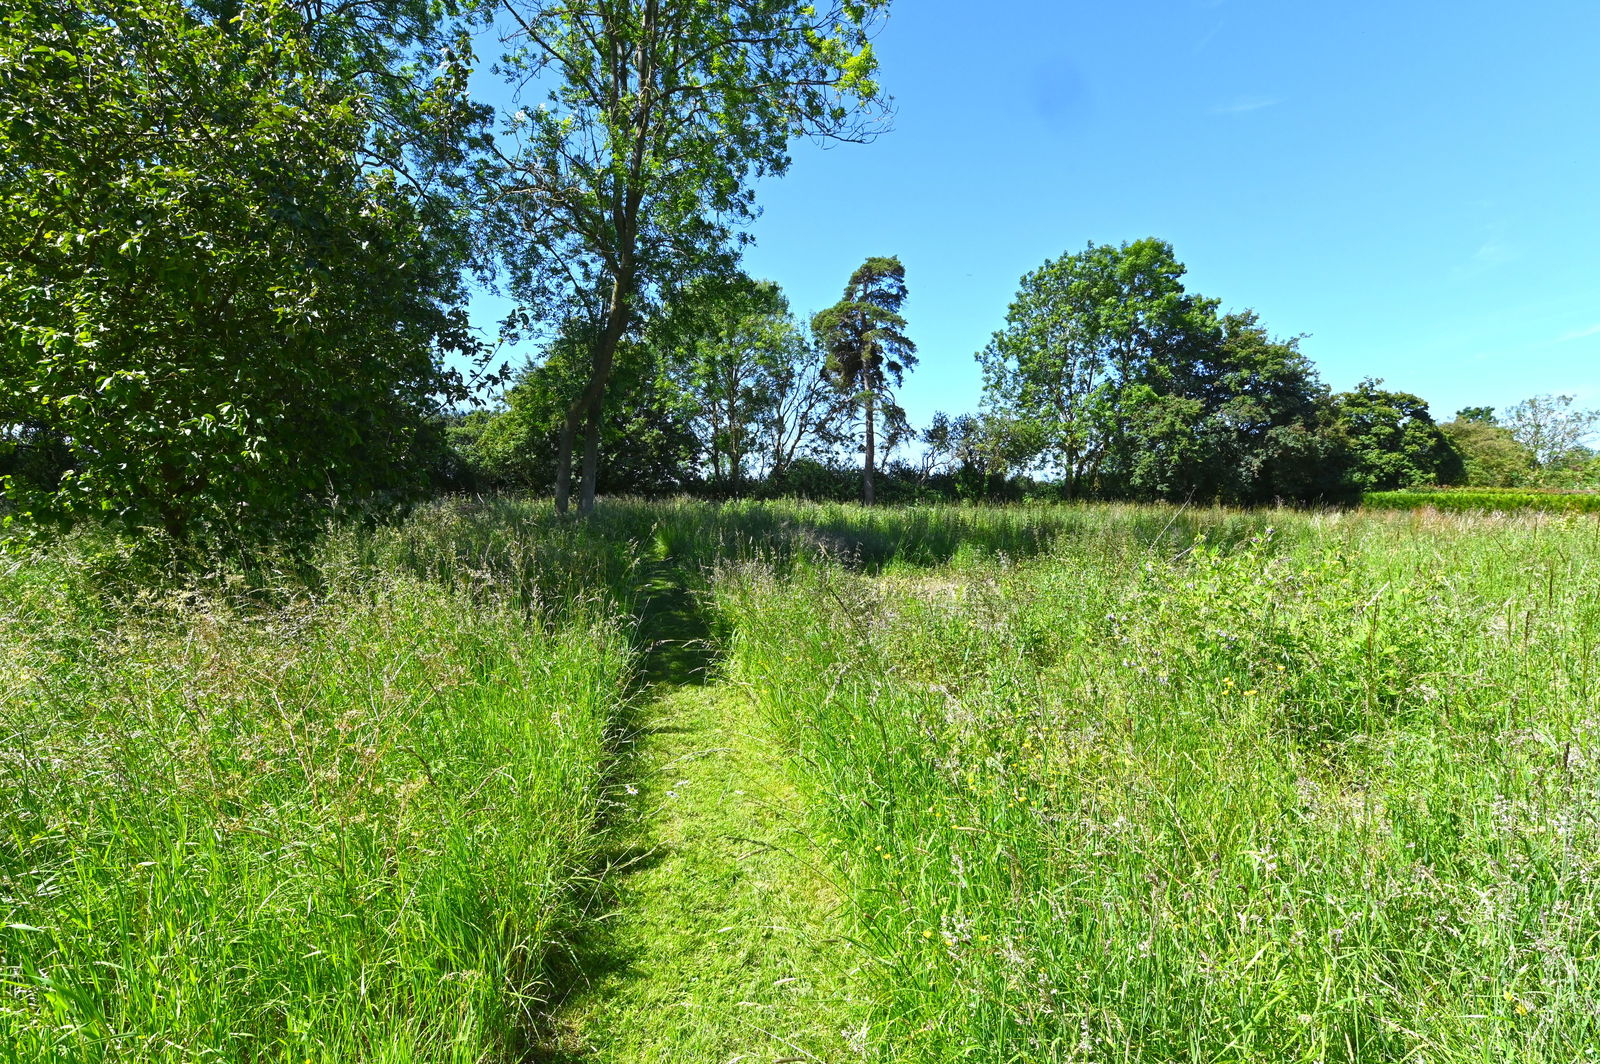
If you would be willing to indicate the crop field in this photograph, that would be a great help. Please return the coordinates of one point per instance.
(790, 782)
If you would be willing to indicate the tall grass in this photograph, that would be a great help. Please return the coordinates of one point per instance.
(520, 549)
(1105, 783)
(343, 830)
(1324, 794)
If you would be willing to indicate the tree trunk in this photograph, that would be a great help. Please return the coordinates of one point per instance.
(589, 404)
(564, 461)
(591, 460)
(872, 454)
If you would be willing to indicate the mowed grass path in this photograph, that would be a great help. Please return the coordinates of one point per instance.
(719, 940)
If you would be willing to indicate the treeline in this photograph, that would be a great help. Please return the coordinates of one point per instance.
(1108, 380)
(237, 238)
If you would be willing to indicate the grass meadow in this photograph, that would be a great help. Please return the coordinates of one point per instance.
(1089, 783)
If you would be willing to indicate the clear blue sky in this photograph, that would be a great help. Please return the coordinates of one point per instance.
(1416, 186)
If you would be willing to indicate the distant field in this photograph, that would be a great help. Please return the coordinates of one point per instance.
(1091, 783)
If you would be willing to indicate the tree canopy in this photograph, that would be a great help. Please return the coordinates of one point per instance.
(236, 237)
(1085, 334)
(1392, 441)
(626, 169)
(1112, 377)
(868, 351)
(223, 309)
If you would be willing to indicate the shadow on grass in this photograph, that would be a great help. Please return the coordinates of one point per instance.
(677, 649)
(674, 633)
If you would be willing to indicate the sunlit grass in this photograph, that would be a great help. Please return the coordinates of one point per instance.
(1327, 794)
(1106, 783)
(345, 830)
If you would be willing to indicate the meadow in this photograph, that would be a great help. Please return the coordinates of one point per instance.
(791, 781)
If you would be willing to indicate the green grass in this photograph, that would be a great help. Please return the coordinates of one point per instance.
(1326, 795)
(720, 937)
(347, 830)
(766, 781)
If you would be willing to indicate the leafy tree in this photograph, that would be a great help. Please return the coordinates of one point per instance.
(733, 347)
(868, 351)
(1391, 441)
(1241, 419)
(1552, 431)
(653, 447)
(630, 174)
(976, 453)
(1087, 334)
(807, 418)
(1484, 414)
(219, 309)
(1490, 454)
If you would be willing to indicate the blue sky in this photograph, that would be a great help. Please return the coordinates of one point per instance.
(1413, 185)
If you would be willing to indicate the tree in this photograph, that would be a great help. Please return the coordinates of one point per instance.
(1552, 431)
(975, 452)
(632, 171)
(868, 351)
(1241, 419)
(216, 302)
(1491, 456)
(1391, 441)
(1086, 334)
(732, 345)
(807, 418)
(650, 434)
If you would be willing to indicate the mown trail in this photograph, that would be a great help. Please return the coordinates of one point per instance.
(719, 941)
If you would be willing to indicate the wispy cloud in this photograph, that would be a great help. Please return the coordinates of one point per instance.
(1493, 253)
(1578, 334)
(1490, 254)
(1246, 104)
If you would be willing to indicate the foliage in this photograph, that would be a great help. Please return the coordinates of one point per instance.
(975, 451)
(221, 313)
(1500, 500)
(1551, 430)
(1490, 453)
(1263, 426)
(869, 353)
(1088, 336)
(1579, 471)
(1125, 385)
(650, 437)
(1392, 441)
(748, 378)
(632, 173)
